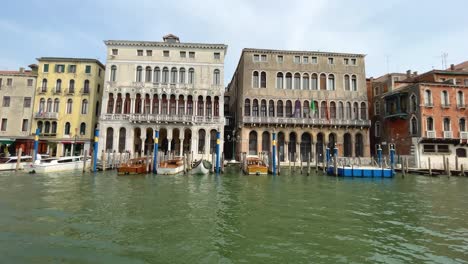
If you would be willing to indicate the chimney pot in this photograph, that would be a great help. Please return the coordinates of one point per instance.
(452, 67)
(415, 73)
(408, 73)
(21, 70)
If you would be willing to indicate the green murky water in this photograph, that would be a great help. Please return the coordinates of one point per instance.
(75, 218)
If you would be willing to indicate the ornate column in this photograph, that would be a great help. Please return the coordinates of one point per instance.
(177, 106)
(159, 104)
(132, 105)
(185, 105)
(142, 145)
(169, 139)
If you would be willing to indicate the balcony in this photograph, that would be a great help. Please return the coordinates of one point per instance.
(429, 105)
(448, 134)
(150, 118)
(445, 106)
(304, 121)
(84, 91)
(430, 134)
(461, 106)
(57, 91)
(464, 135)
(46, 115)
(70, 91)
(42, 90)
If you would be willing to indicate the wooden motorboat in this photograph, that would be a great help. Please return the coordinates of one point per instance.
(171, 167)
(9, 163)
(133, 166)
(201, 167)
(255, 166)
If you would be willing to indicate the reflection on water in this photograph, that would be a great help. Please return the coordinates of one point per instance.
(102, 218)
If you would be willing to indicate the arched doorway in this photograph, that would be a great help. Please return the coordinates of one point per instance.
(201, 141)
(347, 150)
(187, 140)
(281, 146)
(109, 139)
(253, 143)
(212, 141)
(306, 146)
(149, 142)
(163, 142)
(137, 140)
(319, 147)
(292, 146)
(359, 148)
(175, 142)
(266, 142)
(122, 138)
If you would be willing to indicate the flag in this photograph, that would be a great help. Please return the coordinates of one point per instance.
(313, 109)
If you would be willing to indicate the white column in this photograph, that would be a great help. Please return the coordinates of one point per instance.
(142, 145)
(177, 106)
(185, 106)
(207, 141)
(115, 143)
(132, 105)
(181, 146)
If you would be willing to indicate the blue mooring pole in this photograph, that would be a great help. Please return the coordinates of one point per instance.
(379, 155)
(327, 153)
(95, 150)
(392, 156)
(274, 153)
(155, 151)
(218, 141)
(36, 144)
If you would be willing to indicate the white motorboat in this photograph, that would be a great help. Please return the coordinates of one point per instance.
(9, 163)
(58, 164)
(171, 167)
(201, 167)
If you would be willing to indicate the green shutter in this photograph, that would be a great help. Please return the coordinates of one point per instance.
(46, 67)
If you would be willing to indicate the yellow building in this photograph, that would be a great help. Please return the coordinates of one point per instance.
(67, 104)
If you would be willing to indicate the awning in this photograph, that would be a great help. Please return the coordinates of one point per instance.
(7, 141)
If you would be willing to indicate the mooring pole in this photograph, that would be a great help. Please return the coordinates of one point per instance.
(274, 153)
(95, 150)
(218, 141)
(379, 156)
(155, 151)
(36, 144)
(392, 157)
(327, 153)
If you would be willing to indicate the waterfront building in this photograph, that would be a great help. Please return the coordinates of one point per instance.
(170, 86)
(312, 100)
(17, 95)
(67, 104)
(425, 117)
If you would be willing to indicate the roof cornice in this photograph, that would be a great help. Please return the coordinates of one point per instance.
(132, 43)
(298, 52)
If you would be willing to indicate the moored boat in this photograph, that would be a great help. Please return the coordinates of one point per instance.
(362, 171)
(133, 166)
(201, 167)
(255, 166)
(171, 167)
(58, 164)
(9, 163)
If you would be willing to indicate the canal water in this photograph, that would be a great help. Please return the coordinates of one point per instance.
(232, 218)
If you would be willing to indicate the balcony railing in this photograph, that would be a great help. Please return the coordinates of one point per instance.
(70, 91)
(57, 90)
(84, 91)
(463, 135)
(430, 134)
(42, 90)
(164, 118)
(46, 115)
(448, 134)
(304, 121)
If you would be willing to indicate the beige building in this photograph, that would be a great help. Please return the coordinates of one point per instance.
(169, 86)
(17, 97)
(278, 91)
(67, 104)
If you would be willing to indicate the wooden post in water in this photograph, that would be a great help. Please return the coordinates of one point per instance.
(462, 170)
(278, 167)
(18, 161)
(222, 162)
(407, 164)
(185, 163)
(456, 163)
(403, 169)
(290, 162)
(293, 155)
(448, 167)
(429, 165)
(85, 157)
(103, 161)
(300, 163)
(308, 164)
(213, 162)
(445, 164)
(335, 165)
(316, 162)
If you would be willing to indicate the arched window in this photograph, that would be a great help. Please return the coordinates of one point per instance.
(118, 104)
(54, 128)
(279, 108)
(182, 75)
(430, 124)
(190, 105)
(288, 108)
(356, 111)
(69, 106)
(174, 75)
(165, 75)
(42, 105)
(148, 74)
(83, 128)
(377, 108)
(113, 73)
(347, 83)
(263, 108)
(138, 104)
(127, 104)
(39, 126)
(255, 107)
(44, 85)
(49, 105)
(209, 107)
(147, 104)
(428, 98)
(110, 103)
(377, 129)
(253, 143)
(47, 127)
(315, 109)
(323, 110)
(157, 75)
(413, 103)
(109, 138)
(348, 110)
(297, 109)
(96, 110)
(67, 128)
(84, 107)
(263, 80)
(288, 80)
(155, 104)
(191, 77)
(216, 106)
(340, 110)
(200, 106)
(332, 110)
(305, 109)
(139, 73)
(86, 87)
(323, 81)
(58, 86)
(122, 137)
(414, 126)
(359, 145)
(71, 86)
(462, 124)
(56, 105)
(363, 115)
(447, 126)
(271, 108)
(445, 98)
(314, 81)
(331, 82)
(460, 99)
(279, 80)
(201, 141)
(354, 83)
(347, 145)
(247, 107)
(216, 77)
(297, 81)
(305, 81)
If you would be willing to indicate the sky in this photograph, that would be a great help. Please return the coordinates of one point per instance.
(395, 35)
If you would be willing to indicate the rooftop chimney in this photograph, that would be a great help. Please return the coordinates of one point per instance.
(408, 74)
(415, 73)
(452, 67)
(21, 70)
